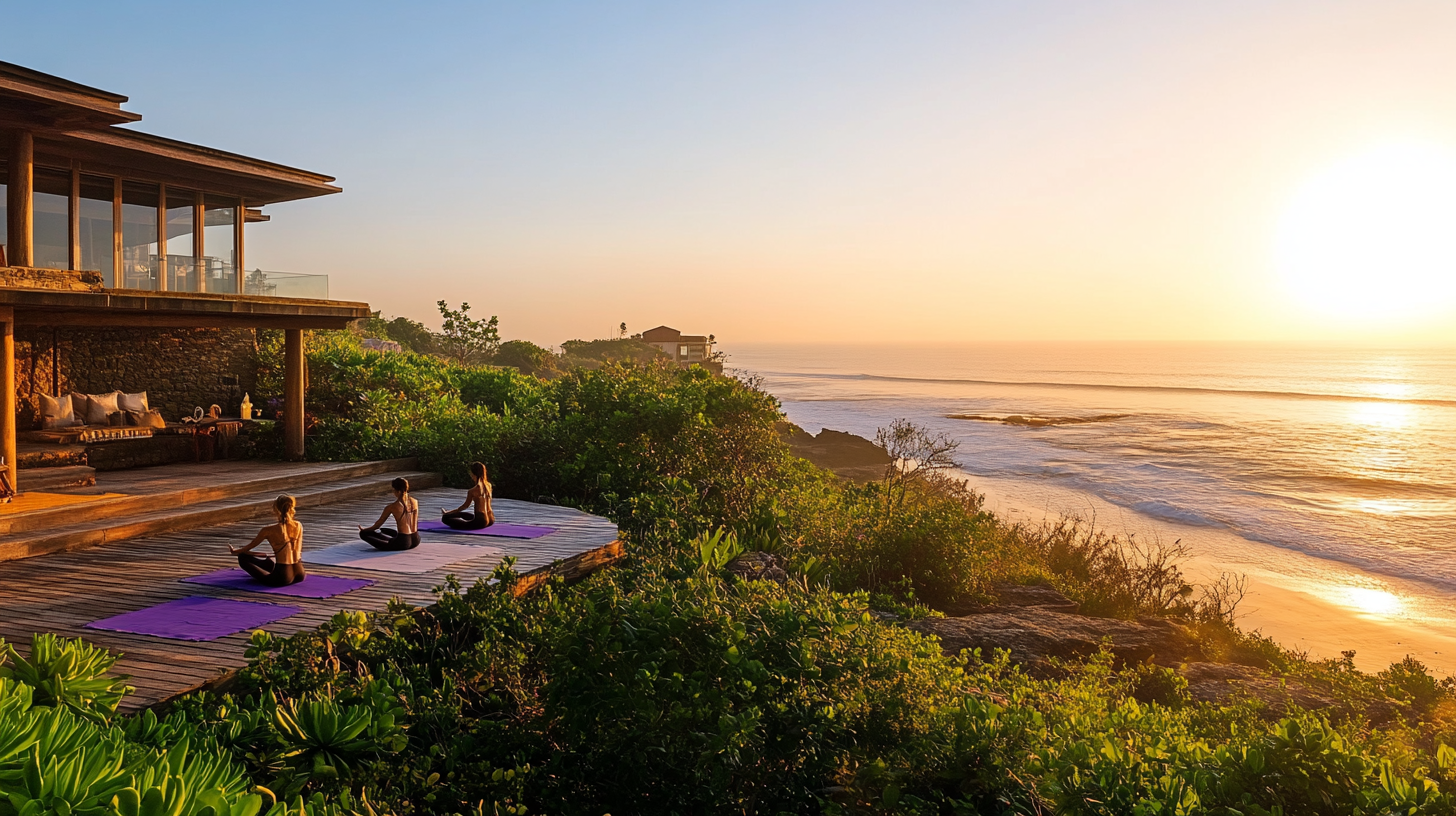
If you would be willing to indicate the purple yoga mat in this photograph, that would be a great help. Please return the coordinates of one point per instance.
(312, 586)
(196, 618)
(498, 529)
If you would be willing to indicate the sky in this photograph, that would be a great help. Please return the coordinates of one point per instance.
(796, 171)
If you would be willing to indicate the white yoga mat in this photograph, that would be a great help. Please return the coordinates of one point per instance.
(429, 556)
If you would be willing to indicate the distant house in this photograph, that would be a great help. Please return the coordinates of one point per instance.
(374, 344)
(686, 349)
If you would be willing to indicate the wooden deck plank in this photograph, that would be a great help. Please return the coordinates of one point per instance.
(63, 592)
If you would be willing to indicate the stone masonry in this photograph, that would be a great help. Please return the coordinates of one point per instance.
(178, 368)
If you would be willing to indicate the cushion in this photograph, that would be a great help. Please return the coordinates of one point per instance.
(133, 402)
(151, 419)
(101, 406)
(51, 423)
(116, 419)
(79, 407)
(58, 407)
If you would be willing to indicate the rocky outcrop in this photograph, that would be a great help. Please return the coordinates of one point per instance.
(1016, 596)
(758, 566)
(1034, 634)
(847, 455)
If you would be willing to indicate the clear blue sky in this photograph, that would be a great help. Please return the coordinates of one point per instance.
(785, 170)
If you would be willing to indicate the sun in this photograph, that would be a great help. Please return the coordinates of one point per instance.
(1372, 238)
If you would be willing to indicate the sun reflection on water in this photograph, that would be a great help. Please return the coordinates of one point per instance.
(1370, 601)
(1391, 416)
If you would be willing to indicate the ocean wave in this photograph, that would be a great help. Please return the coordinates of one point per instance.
(1034, 421)
(1181, 389)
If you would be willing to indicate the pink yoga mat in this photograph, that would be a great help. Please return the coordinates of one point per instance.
(312, 586)
(196, 618)
(499, 529)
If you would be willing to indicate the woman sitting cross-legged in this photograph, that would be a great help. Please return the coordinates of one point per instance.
(286, 538)
(482, 515)
(406, 512)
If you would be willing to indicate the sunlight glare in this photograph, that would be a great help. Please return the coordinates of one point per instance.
(1371, 601)
(1373, 238)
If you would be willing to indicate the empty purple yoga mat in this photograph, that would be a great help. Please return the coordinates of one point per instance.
(498, 529)
(312, 586)
(196, 618)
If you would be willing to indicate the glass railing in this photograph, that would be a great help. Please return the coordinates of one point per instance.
(285, 284)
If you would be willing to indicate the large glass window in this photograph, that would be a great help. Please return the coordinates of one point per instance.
(219, 237)
(96, 236)
(51, 241)
(138, 236)
(180, 266)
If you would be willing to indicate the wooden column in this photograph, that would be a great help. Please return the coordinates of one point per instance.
(294, 379)
(162, 270)
(199, 218)
(117, 278)
(20, 200)
(7, 393)
(238, 246)
(73, 209)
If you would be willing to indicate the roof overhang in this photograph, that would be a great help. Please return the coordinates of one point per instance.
(141, 309)
(27, 95)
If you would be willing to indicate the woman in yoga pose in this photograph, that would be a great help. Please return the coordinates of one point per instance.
(483, 515)
(286, 538)
(406, 512)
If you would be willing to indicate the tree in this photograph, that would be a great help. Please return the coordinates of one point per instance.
(411, 334)
(622, 330)
(464, 339)
(916, 455)
(524, 355)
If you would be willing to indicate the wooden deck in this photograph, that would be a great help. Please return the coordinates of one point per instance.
(62, 592)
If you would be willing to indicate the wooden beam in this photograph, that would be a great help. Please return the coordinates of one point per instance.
(294, 365)
(20, 199)
(7, 395)
(152, 320)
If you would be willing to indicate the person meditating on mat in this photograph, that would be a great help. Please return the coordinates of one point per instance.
(286, 538)
(406, 512)
(483, 515)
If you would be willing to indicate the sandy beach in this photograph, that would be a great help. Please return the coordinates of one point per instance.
(1302, 602)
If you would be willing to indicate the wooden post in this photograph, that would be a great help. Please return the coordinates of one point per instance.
(117, 277)
(238, 247)
(20, 199)
(74, 211)
(199, 221)
(162, 270)
(293, 387)
(7, 394)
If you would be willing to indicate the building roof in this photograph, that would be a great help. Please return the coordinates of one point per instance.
(75, 122)
(661, 334)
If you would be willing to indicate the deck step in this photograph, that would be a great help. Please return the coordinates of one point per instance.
(50, 478)
(171, 518)
(49, 456)
(170, 500)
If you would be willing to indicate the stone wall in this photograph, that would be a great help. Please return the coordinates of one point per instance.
(178, 368)
(19, 277)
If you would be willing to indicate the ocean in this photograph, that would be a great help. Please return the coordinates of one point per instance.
(1327, 476)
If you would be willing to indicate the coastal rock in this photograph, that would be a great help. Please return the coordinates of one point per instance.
(1034, 634)
(847, 455)
(1016, 596)
(1221, 682)
(758, 566)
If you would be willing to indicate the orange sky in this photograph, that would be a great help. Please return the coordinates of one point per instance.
(814, 171)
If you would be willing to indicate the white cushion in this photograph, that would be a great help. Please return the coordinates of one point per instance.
(101, 406)
(58, 408)
(134, 402)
